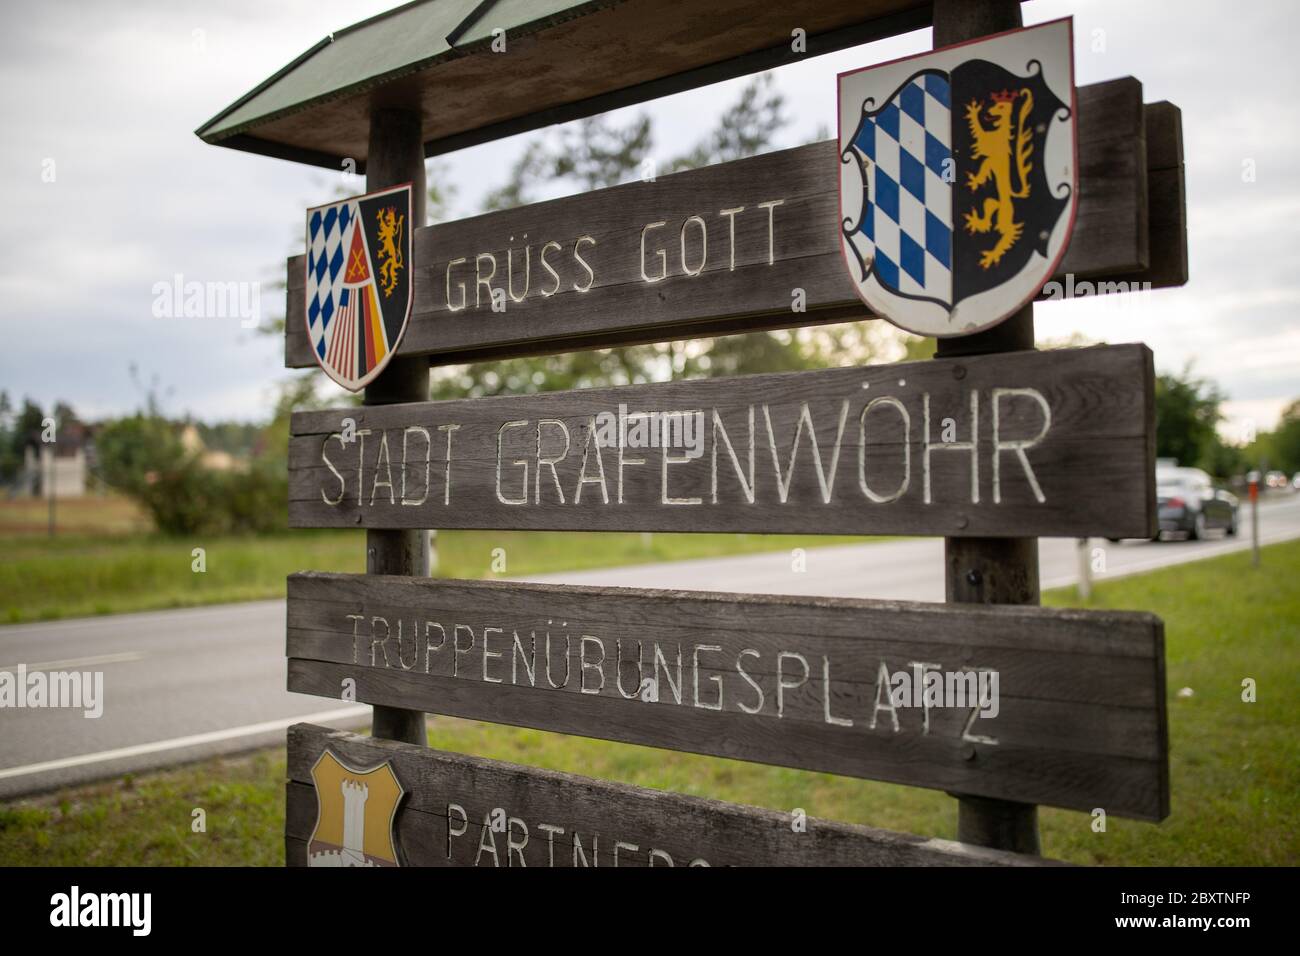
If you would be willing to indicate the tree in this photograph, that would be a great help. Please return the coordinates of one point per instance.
(26, 426)
(1223, 460)
(593, 155)
(143, 457)
(1279, 448)
(746, 129)
(9, 459)
(1187, 413)
(1286, 438)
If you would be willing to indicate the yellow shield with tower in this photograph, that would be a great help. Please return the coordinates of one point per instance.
(355, 814)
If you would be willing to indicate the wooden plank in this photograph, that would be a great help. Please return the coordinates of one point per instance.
(554, 460)
(445, 819)
(1166, 226)
(1077, 719)
(1167, 185)
(591, 292)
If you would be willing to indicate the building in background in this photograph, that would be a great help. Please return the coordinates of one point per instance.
(210, 458)
(63, 465)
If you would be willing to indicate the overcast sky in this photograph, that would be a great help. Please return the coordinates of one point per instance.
(105, 96)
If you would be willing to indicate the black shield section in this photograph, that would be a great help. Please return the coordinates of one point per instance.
(395, 297)
(975, 81)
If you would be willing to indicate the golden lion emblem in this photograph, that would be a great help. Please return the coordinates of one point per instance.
(996, 146)
(390, 248)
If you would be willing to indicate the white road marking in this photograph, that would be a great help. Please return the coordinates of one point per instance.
(176, 743)
(76, 662)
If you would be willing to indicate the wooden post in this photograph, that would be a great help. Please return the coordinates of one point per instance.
(1085, 568)
(1254, 517)
(990, 570)
(50, 495)
(396, 155)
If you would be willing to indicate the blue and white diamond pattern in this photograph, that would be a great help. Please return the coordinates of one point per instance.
(327, 238)
(906, 230)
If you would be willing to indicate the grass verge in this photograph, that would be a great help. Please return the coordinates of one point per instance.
(78, 575)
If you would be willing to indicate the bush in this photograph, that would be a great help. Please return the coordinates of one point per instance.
(143, 458)
(256, 500)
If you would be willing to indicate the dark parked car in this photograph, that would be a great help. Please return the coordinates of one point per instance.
(1190, 504)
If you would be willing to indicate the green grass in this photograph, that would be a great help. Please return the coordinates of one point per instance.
(1235, 766)
(76, 575)
(147, 821)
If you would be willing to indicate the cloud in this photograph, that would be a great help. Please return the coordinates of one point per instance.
(111, 92)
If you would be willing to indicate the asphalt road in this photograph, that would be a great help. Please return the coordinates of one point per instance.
(912, 570)
(178, 685)
(184, 685)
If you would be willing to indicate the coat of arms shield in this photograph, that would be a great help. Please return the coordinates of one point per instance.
(959, 178)
(359, 283)
(355, 813)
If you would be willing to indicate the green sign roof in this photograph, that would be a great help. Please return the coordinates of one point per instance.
(482, 69)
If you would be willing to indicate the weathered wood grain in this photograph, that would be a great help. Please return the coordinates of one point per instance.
(797, 682)
(748, 277)
(1166, 182)
(1089, 474)
(450, 798)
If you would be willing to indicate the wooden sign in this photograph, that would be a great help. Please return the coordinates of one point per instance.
(1052, 193)
(1031, 443)
(467, 811)
(1059, 707)
(739, 246)
(959, 178)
